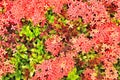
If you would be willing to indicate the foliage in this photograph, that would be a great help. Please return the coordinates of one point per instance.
(59, 39)
(72, 75)
(118, 68)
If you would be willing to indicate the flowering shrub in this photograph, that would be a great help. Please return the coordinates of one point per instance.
(5, 66)
(54, 45)
(59, 39)
(54, 69)
(89, 11)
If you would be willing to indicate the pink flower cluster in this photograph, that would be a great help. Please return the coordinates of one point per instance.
(92, 11)
(54, 69)
(65, 45)
(54, 45)
(5, 66)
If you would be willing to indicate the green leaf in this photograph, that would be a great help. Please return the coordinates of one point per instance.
(24, 56)
(36, 31)
(51, 19)
(50, 16)
(34, 55)
(52, 32)
(21, 48)
(73, 75)
(18, 75)
(27, 31)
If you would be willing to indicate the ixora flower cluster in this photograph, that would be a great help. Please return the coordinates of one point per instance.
(59, 39)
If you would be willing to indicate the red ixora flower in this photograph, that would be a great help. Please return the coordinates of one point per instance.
(5, 66)
(54, 45)
(91, 11)
(81, 43)
(89, 74)
(54, 69)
